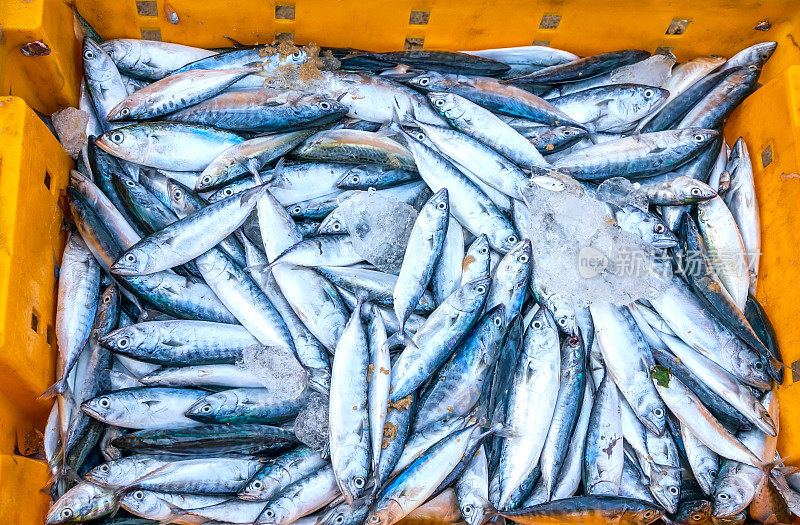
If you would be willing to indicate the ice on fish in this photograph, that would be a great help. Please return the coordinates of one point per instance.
(276, 368)
(379, 227)
(580, 252)
(311, 424)
(622, 192)
(70, 124)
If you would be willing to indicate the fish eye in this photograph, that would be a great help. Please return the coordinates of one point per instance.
(763, 56)
(467, 510)
(566, 132)
(131, 258)
(484, 250)
(695, 191)
(648, 514)
(698, 138)
(359, 482)
(648, 93)
(524, 258)
(227, 192)
(297, 209)
(117, 137)
(104, 468)
(375, 518)
(106, 299)
(130, 183)
(354, 179)
(439, 102)
(339, 518)
(659, 228)
(206, 408)
(297, 54)
(336, 226)
(480, 289)
(722, 496)
(574, 341)
(674, 490)
(420, 136)
(88, 54)
(758, 365)
(206, 179)
(105, 402)
(424, 81)
(712, 473)
(498, 321)
(658, 412)
(442, 205)
(512, 239)
(563, 321)
(697, 517)
(257, 485)
(124, 112)
(123, 342)
(269, 513)
(66, 513)
(138, 494)
(177, 194)
(325, 106)
(537, 325)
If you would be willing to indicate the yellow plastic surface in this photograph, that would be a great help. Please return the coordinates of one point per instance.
(31, 241)
(30, 218)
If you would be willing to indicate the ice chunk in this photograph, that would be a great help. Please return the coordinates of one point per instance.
(653, 71)
(380, 227)
(276, 368)
(622, 192)
(70, 124)
(582, 254)
(311, 425)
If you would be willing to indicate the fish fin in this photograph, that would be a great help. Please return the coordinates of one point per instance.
(768, 466)
(56, 389)
(233, 41)
(252, 166)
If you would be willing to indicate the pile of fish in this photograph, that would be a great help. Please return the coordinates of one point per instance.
(312, 288)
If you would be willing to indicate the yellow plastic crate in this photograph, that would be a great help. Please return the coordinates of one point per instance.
(34, 169)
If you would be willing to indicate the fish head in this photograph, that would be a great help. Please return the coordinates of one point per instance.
(273, 514)
(665, 486)
(438, 205)
(385, 513)
(646, 226)
(471, 294)
(448, 105)
(637, 101)
(143, 503)
(344, 514)
(731, 495)
(261, 485)
(416, 136)
(103, 407)
(137, 260)
(759, 54)
(113, 472)
(642, 513)
(570, 133)
(698, 138)
(325, 107)
(213, 173)
(354, 179)
(121, 50)
(517, 262)
(178, 197)
(694, 512)
(331, 225)
(429, 81)
(122, 111)
(127, 340)
(689, 190)
(298, 57)
(97, 65)
(473, 512)
(503, 238)
(78, 504)
(480, 246)
(212, 407)
(124, 142)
